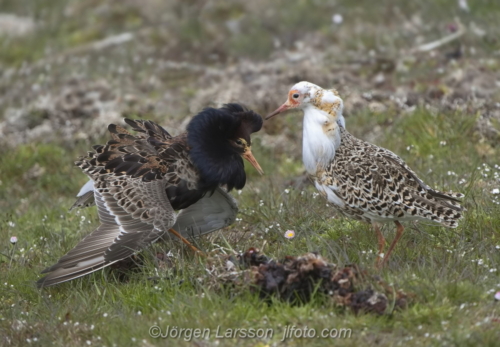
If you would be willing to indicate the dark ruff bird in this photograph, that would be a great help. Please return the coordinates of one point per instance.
(361, 180)
(140, 180)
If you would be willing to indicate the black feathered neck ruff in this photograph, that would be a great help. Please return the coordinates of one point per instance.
(208, 136)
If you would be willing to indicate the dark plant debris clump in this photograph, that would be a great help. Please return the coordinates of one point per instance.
(297, 279)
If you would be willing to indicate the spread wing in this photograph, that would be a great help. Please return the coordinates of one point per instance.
(133, 213)
(147, 128)
(130, 175)
(210, 213)
(85, 196)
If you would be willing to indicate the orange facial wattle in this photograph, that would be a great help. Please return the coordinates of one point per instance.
(291, 100)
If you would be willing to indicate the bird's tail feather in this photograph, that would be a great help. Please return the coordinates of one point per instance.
(439, 208)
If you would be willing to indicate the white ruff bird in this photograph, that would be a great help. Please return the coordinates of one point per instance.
(363, 181)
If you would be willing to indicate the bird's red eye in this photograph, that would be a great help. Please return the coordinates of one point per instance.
(295, 96)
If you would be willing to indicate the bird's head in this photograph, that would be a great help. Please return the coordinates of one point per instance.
(306, 94)
(219, 138)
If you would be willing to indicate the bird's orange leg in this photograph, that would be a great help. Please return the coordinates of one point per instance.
(381, 244)
(399, 233)
(189, 244)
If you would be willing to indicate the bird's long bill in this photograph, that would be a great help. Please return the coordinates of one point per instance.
(280, 109)
(251, 159)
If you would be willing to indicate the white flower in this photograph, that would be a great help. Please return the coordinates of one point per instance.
(463, 5)
(495, 191)
(497, 296)
(13, 240)
(337, 18)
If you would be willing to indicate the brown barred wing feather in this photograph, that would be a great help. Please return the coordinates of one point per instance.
(132, 216)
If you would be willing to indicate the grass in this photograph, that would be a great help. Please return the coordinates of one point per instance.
(451, 274)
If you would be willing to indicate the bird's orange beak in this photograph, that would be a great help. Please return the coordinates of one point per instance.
(251, 159)
(280, 109)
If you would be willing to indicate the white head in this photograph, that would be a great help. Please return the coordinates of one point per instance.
(306, 94)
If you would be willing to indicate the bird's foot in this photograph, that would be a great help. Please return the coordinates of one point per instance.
(380, 261)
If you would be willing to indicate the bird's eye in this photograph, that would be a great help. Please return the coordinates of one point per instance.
(295, 96)
(239, 142)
